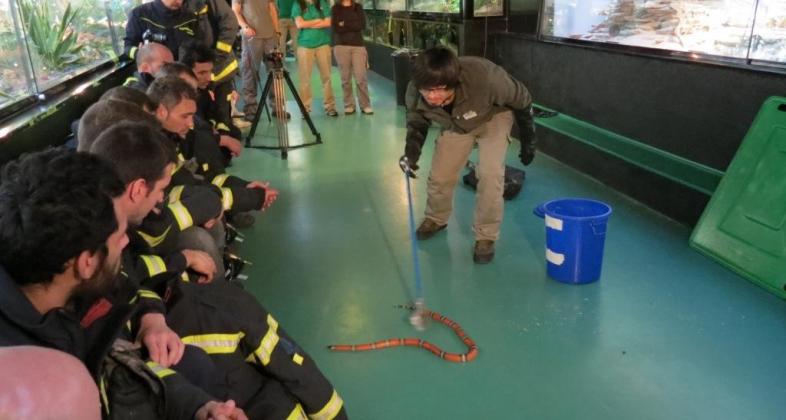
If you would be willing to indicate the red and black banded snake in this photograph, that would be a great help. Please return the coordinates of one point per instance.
(470, 355)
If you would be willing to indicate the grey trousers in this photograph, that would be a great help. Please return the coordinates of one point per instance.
(287, 26)
(254, 50)
(450, 156)
(353, 61)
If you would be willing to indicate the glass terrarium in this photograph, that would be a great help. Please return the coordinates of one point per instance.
(392, 5)
(488, 8)
(713, 27)
(14, 75)
(368, 4)
(436, 6)
(427, 34)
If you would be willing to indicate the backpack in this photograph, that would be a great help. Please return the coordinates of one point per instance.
(514, 180)
(131, 390)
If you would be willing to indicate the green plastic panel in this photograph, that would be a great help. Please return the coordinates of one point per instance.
(743, 225)
(693, 175)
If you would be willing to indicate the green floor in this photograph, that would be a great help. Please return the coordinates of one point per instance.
(665, 334)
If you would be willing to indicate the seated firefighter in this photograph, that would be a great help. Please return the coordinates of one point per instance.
(62, 236)
(265, 371)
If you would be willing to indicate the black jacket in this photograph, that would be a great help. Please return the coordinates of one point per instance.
(21, 324)
(179, 26)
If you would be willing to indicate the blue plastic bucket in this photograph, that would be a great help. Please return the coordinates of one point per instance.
(575, 234)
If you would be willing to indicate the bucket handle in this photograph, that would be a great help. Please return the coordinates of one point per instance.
(540, 210)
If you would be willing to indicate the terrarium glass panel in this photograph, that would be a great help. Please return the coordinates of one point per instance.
(714, 27)
(368, 4)
(488, 8)
(436, 6)
(430, 34)
(392, 5)
(81, 28)
(13, 61)
(769, 34)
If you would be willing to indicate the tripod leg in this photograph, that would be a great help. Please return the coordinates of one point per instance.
(302, 108)
(265, 90)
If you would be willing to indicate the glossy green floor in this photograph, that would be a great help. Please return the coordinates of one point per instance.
(665, 334)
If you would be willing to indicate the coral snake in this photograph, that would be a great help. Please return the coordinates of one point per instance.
(470, 355)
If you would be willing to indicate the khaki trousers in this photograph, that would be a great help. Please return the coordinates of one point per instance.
(306, 57)
(451, 155)
(353, 61)
(287, 26)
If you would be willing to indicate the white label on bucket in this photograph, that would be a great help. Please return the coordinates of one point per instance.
(553, 223)
(554, 257)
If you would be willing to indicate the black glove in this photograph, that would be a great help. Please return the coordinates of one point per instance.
(526, 125)
(407, 166)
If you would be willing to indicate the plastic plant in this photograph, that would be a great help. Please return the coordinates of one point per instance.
(55, 39)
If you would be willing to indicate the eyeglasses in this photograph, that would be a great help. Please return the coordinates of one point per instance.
(436, 89)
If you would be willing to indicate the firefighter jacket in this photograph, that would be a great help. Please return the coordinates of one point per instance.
(247, 342)
(201, 147)
(217, 28)
(214, 105)
(178, 26)
(139, 81)
(87, 336)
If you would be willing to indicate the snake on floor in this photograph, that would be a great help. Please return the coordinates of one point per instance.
(470, 355)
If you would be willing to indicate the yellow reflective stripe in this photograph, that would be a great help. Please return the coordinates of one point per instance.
(205, 167)
(203, 11)
(298, 359)
(215, 343)
(177, 167)
(268, 343)
(330, 410)
(153, 23)
(159, 370)
(224, 73)
(180, 157)
(154, 241)
(227, 199)
(175, 193)
(222, 126)
(132, 52)
(229, 97)
(297, 414)
(155, 265)
(104, 397)
(130, 80)
(223, 46)
(148, 294)
(184, 277)
(182, 216)
(219, 180)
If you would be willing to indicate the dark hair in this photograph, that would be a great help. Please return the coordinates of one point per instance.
(317, 4)
(130, 95)
(175, 69)
(197, 53)
(136, 150)
(54, 205)
(436, 66)
(170, 91)
(104, 114)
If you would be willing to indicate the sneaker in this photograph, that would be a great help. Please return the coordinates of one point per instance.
(349, 111)
(241, 220)
(484, 251)
(331, 113)
(428, 229)
(368, 111)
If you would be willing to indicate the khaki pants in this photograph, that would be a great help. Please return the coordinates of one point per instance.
(351, 61)
(305, 64)
(287, 26)
(450, 156)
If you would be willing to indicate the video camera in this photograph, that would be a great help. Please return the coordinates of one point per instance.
(150, 36)
(275, 59)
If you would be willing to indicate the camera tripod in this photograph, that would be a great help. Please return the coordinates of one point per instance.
(275, 80)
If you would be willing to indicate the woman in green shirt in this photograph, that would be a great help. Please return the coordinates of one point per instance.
(312, 17)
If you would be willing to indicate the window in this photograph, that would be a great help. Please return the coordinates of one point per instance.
(769, 32)
(15, 78)
(436, 6)
(722, 28)
(46, 42)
